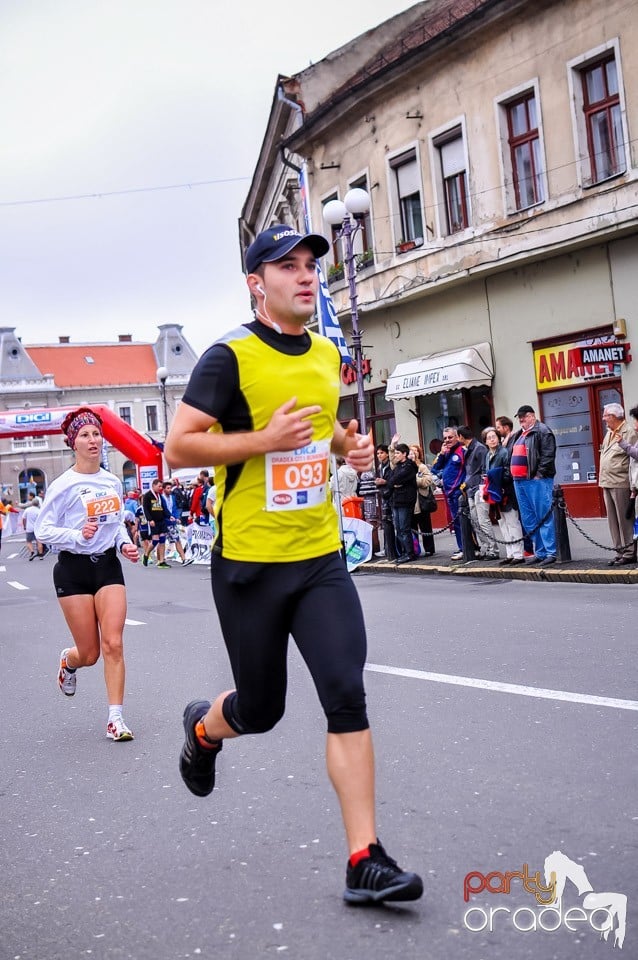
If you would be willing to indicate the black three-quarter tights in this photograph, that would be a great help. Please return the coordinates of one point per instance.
(260, 605)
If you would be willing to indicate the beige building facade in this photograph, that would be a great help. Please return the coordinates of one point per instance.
(497, 265)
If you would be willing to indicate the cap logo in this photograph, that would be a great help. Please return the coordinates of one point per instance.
(286, 233)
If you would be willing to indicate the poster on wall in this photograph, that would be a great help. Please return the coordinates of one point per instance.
(147, 475)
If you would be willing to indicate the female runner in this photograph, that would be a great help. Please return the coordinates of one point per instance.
(82, 516)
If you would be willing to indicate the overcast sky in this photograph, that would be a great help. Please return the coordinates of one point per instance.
(99, 97)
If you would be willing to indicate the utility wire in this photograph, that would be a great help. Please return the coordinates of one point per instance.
(120, 193)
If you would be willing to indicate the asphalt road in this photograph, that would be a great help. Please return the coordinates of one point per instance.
(105, 854)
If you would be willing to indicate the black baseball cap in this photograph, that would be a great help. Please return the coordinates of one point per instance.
(524, 409)
(277, 241)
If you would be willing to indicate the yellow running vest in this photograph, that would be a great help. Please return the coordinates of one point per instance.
(278, 508)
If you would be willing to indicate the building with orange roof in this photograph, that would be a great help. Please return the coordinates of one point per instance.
(140, 382)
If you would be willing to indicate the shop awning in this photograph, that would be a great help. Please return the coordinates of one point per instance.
(469, 367)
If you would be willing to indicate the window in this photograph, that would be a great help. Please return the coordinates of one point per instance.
(601, 106)
(125, 415)
(335, 268)
(362, 245)
(454, 178)
(407, 190)
(29, 443)
(151, 418)
(525, 151)
(379, 414)
(599, 115)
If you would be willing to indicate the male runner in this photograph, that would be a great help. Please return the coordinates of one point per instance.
(261, 407)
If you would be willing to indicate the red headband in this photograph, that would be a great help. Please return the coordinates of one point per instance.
(74, 421)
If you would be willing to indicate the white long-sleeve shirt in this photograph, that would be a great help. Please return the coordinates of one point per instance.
(70, 500)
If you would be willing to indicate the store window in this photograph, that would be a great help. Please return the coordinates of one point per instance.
(379, 414)
(575, 381)
(453, 408)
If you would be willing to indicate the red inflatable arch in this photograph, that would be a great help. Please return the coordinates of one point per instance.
(41, 422)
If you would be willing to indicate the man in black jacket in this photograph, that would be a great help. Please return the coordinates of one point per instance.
(402, 485)
(533, 467)
(384, 471)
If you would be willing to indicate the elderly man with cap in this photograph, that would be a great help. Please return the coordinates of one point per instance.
(613, 479)
(533, 468)
(261, 407)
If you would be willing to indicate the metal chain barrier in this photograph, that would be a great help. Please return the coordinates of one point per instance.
(505, 543)
(625, 546)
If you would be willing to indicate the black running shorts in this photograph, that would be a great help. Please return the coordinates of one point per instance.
(260, 605)
(76, 573)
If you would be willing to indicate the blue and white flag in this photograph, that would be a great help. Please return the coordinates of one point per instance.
(327, 317)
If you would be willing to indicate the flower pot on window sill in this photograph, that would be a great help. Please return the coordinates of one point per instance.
(335, 277)
(404, 246)
(364, 260)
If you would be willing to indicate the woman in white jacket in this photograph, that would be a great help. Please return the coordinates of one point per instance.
(82, 516)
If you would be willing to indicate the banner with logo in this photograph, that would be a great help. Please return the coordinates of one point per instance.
(357, 537)
(200, 541)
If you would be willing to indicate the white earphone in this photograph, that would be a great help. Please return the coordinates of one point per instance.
(260, 289)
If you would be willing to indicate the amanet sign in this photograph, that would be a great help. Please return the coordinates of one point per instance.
(567, 364)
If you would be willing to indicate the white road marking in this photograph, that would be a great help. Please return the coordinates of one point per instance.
(3, 569)
(16, 585)
(11, 556)
(498, 687)
(135, 623)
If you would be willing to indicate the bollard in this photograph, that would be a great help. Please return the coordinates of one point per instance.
(563, 549)
(467, 536)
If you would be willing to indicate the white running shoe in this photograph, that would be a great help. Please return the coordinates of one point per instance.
(66, 680)
(117, 730)
(187, 561)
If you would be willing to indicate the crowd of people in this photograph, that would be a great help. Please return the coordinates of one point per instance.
(505, 483)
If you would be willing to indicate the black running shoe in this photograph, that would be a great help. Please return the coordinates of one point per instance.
(378, 877)
(196, 763)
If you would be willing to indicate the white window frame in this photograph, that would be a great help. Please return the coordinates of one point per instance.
(329, 230)
(501, 106)
(436, 139)
(358, 240)
(147, 407)
(579, 125)
(393, 191)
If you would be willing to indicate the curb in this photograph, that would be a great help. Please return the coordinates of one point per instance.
(553, 574)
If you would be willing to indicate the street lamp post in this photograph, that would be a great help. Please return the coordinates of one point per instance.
(349, 214)
(162, 374)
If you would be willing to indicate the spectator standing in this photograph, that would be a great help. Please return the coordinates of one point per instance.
(449, 465)
(613, 479)
(403, 490)
(533, 467)
(505, 431)
(182, 501)
(500, 503)
(384, 470)
(426, 485)
(475, 453)
(343, 483)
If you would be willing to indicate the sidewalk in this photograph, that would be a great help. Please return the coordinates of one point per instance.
(589, 563)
